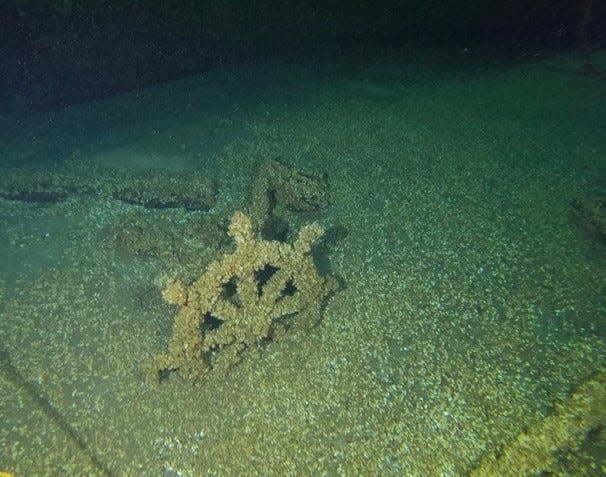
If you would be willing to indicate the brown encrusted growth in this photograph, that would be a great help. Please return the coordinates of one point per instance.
(277, 184)
(175, 292)
(254, 293)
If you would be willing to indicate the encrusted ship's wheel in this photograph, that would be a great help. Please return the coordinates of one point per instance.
(257, 292)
